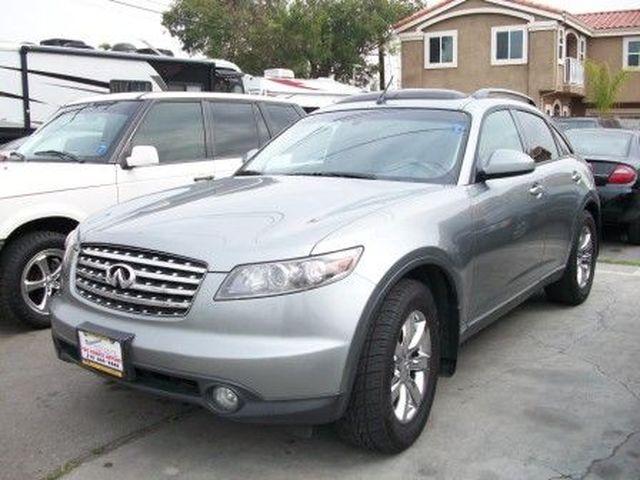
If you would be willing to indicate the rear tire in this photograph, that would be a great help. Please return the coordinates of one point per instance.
(396, 358)
(633, 233)
(20, 262)
(576, 282)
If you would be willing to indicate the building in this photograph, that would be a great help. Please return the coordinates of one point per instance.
(520, 45)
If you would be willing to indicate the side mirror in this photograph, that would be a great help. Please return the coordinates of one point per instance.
(506, 163)
(143, 156)
(249, 155)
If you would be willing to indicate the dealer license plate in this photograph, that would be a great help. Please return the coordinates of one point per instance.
(101, 353)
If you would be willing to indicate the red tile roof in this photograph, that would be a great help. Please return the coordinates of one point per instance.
(609, 20)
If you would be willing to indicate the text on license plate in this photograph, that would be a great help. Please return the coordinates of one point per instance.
(101, 353)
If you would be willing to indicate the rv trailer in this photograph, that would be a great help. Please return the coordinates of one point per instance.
(35, 80)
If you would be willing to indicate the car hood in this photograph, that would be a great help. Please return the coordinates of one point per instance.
(32, 178)
(245, 219)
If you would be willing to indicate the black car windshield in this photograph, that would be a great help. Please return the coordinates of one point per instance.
(423, 145)
(601, 142)
(83, 133)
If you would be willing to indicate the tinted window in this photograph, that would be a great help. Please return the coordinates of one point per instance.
(608, 143)
(234, 128)
(541, 146)
(263, 132)
(176, 130)
(498, 131)
(281, 116)
(393, 144)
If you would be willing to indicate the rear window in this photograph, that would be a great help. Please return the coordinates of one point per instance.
(603, 143)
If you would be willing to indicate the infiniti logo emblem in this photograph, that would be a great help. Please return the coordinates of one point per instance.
(120, 275)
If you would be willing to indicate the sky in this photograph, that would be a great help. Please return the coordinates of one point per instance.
(135, 21)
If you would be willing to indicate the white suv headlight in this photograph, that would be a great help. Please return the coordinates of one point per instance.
(289, 276)
(71, 244)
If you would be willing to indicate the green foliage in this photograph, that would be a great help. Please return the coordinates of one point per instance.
(603, 86)
(312, 37)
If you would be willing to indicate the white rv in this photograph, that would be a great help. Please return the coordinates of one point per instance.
(35, 80)
(310, 94)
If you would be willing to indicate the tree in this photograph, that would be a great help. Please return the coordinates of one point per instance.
(312, 37)
(603, 87)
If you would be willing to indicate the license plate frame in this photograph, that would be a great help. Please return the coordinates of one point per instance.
(113, 342)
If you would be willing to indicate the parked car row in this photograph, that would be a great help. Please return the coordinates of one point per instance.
(106, 150)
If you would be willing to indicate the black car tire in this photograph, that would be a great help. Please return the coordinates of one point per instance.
(633, 233)
(567, 290)
(369, 420)
(13, 259)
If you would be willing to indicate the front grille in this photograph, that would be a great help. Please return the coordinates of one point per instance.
(162, 284)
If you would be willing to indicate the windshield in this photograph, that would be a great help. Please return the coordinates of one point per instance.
(606, 143)
(391, 144)
(85, 133)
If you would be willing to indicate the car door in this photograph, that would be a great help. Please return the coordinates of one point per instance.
(177, 130)
(560, 180)
(237, 128)
(509, 222)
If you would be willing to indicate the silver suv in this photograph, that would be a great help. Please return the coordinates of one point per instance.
(333, 278)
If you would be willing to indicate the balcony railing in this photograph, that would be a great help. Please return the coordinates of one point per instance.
(573, 71)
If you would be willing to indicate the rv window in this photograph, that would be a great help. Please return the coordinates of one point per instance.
(234, 128)
(123, 86)
(176, 129)
(280, 116)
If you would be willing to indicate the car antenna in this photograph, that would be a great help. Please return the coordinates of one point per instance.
(381, 99)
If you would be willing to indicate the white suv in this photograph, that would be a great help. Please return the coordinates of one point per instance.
(106, 150)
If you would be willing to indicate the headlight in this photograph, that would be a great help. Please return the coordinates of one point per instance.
(289, 276)
(70, 245)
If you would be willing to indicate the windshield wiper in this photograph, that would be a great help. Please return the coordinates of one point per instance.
(363, 176)
(20, 156)
(60, 154)
(247, 173)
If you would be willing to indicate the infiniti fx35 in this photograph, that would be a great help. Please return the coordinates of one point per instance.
(334, 276)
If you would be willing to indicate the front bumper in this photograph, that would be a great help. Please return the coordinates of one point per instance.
(285, 356)
(619, 204)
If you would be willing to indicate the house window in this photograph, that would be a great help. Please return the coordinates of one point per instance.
(441, 49)
(561, 45)
(631, 53)
(508, 45)
(582, 51)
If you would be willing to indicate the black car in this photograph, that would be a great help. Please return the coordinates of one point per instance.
(572, 123)
(614, 156)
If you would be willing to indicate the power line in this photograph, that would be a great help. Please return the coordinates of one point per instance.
(120, 2)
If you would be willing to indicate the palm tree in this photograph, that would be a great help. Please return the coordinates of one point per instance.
(603, 86)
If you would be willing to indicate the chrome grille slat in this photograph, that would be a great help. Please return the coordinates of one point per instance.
(163, 284)
(141, 260)
(141, 273)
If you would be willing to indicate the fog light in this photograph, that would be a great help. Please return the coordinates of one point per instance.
(225, 399)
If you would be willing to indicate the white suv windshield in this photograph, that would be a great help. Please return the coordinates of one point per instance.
(85, 133)
(391, 144)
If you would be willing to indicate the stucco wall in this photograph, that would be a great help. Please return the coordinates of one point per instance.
(609, 50)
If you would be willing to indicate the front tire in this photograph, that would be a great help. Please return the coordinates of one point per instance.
(576, 282)
(29, 274)
(397, 372)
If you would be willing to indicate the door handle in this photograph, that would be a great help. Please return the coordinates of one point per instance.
(576, 177)
(536, 190)
(204, 178)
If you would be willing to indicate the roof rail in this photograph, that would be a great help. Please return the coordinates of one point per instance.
(502, 93)
(408, 94)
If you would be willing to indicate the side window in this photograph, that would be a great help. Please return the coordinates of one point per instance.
(234, 128)
(561, 142)
(280, 116)
(542, 146)
(498, 131)
(176, 129)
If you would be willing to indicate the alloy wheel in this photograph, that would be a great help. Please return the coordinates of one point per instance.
(411, 364)
(41, 279)
(584, 257)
